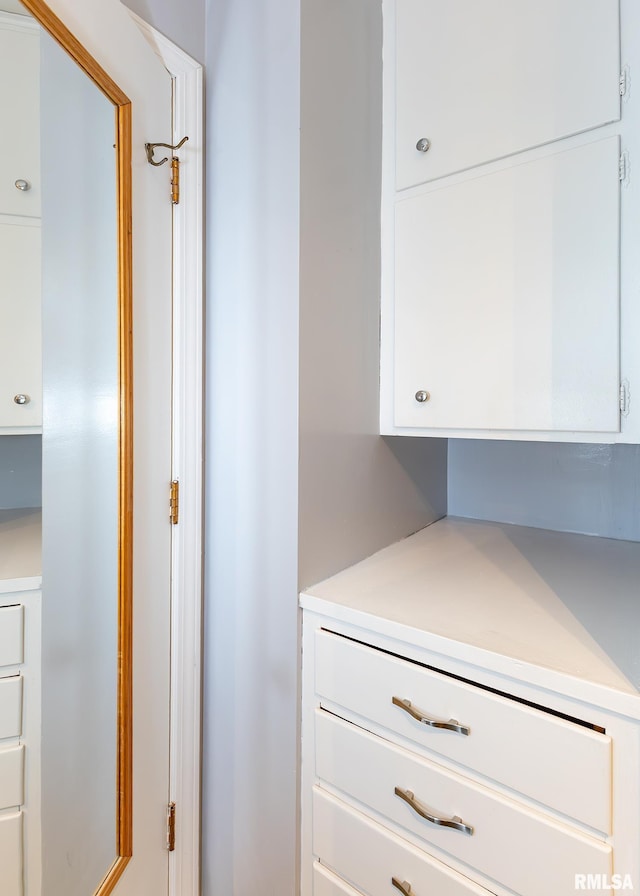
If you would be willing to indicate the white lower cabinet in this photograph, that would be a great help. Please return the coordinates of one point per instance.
(432, 766)
(327, 884)
(361, 851)
(11, 854)
(19, 738)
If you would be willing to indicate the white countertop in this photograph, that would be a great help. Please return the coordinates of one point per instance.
(567, 604)
(20, 549)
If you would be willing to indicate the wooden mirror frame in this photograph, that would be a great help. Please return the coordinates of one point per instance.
(124, 761)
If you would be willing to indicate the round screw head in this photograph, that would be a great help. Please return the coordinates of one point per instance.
(21, 399)
(423, 145)
(422, 396)
(22, 185)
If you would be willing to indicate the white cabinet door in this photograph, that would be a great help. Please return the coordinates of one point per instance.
(482, 79)
(20, 341)
(507, 298)
(11, 883)
(20, 104)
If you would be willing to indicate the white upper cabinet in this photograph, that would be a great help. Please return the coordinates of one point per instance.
(20, 325)
(20, 226)
(20, 104)
(482, 79)
(510, 270)
(506, 305)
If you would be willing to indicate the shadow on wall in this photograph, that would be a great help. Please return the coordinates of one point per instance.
(417, 456)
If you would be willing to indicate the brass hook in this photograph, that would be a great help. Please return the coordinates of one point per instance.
(151, 147)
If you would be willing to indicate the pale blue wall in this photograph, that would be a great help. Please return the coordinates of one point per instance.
(180, 20)
(250, 831)
(20, 471)
(593, 489)
(358, 491)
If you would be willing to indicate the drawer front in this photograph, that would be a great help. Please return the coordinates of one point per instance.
(523, 849)
(10, 707)
(366, 855)
(11, 855)
(327, 884)
(11, 636)
(11, 778)
(558, 763)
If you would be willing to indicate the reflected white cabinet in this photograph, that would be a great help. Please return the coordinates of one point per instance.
(20, 105)
(20, 326)
(20, 287)
(20, 702)
(19, 739)
(507, 204)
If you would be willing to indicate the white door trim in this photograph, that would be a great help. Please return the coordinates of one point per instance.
(187, 462)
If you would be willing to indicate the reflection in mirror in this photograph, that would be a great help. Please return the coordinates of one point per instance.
(59, 256)
(80, 477)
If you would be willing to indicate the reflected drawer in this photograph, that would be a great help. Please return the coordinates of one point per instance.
(525, 850)
(11, 855)
(10, 707)
(368, 856)
(556, 762)
(11, 635)
(327, 884)
(11, 778)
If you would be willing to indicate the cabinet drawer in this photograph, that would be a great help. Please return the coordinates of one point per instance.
(558, 763)
(11, 637)
(327, 884)
(10, 707)
(11, 855)
(363, 853)
(523, 849)
(11, 778)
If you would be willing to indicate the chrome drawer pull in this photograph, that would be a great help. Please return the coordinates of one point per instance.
(451, 725)
(456, 822)
(404, 887)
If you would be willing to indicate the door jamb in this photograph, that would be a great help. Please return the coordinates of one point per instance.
(187, 462)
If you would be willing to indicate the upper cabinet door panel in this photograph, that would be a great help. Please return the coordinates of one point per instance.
(496, 77)
(20, 326)
(507, 298)
(20, 102)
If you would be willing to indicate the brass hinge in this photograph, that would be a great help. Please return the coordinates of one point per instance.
(174, 502)
(623, 83)
(623, 168)
(171, 827)
(175, 180)
(624, 398)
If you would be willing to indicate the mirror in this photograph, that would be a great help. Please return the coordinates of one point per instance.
(65, 209)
